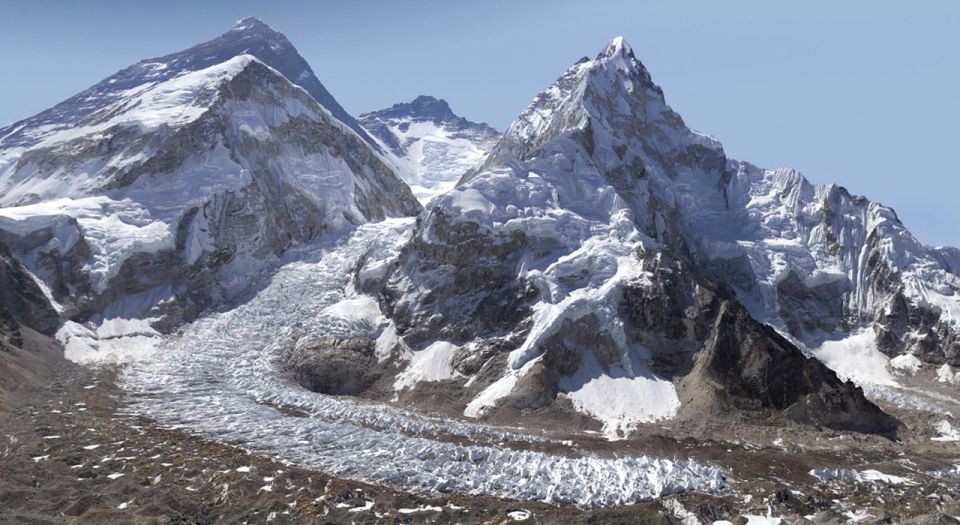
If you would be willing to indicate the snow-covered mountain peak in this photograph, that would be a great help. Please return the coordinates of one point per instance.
(250, 36)
(210, 161)
(253, 36)
(252, 24)
(610, 102)
(424, 107)
(619, 51)
(599, 181)
(618, 60)
(617, 45)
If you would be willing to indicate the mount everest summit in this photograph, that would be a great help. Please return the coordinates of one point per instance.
(183, 174)
(216, 223)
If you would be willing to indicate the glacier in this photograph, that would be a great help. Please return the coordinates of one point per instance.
(219, 377)
(594, 199)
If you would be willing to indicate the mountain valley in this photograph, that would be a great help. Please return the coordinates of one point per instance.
(224, 299)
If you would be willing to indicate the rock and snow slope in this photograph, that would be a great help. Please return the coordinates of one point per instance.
(249, 36)
(156, 199)
(600, 259)
(434, 146)
(573, 262)
(232, 387)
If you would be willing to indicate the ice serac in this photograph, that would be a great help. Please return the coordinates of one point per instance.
(163, 197)
(568, 269)
(433, 146)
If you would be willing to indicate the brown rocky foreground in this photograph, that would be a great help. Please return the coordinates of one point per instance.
(69, 454)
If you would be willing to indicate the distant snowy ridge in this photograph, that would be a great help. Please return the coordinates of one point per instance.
(434, 147)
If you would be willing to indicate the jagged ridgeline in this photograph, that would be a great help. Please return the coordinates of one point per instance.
(607, 259)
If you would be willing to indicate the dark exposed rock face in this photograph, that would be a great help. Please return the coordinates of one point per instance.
(748, 367)
(22, 301)
(62, 271)
(812, 309)
(673, 316)
(466, 283)
(334, 366)
(902, 325)
(9, 331)
(730, 362)
(27, 354)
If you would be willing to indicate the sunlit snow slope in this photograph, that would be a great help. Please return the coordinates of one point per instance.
(434, 147)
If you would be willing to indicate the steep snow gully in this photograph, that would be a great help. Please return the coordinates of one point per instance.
(219, 377)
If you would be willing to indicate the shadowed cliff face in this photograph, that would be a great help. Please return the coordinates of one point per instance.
(22, 301)
(750, 368)
(28, 355)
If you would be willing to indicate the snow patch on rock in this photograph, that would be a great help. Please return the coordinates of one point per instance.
(620, 397)
(857, 358)
(433, 363)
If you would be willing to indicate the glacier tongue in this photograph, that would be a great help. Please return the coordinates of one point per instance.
(218, 376)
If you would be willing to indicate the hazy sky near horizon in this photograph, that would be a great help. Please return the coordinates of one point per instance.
(861, 93)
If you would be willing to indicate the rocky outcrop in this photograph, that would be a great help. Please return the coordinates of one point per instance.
(10, 336)
(464, 281)
(334, 366)
(749, 369)
(725, 361)
(22, 301)
(28, 356)
(812, 309)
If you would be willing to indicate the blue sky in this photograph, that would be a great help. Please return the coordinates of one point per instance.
(864, 94)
